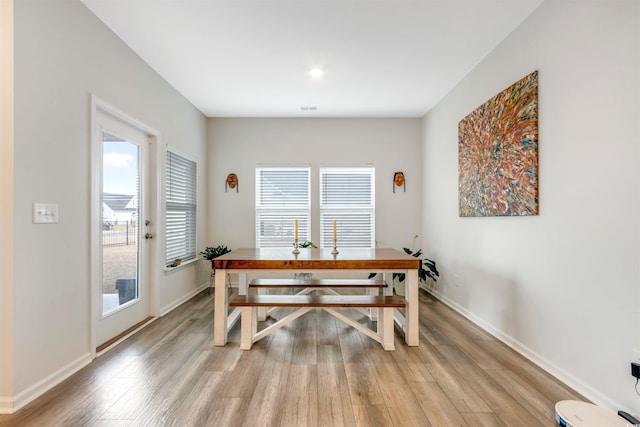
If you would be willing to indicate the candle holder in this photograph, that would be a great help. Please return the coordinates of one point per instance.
(295, 250)
(335, 247)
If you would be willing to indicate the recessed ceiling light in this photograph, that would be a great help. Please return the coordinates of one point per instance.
(316, 73)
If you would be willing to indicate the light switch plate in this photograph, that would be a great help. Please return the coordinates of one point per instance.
(45, 213)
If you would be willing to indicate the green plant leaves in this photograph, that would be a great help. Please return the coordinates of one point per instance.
(211, 252)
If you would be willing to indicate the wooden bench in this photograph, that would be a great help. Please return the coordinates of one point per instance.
(317, 283)
(249, 303)
(373, 286)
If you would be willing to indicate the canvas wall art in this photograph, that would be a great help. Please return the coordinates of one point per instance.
(498, 154)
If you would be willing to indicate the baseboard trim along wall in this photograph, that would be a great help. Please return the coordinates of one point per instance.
(6, 405)
(175, 304)
(9, 405)
(588, 392)
(41, 387)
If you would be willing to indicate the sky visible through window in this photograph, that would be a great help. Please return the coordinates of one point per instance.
(120, 167)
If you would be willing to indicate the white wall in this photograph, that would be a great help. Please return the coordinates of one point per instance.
(6, 204)
(561, 287)
(238, 145)
(63, 54)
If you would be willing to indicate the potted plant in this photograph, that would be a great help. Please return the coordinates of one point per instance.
(427, 269)
(211, 252)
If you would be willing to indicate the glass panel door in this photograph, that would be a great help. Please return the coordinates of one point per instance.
(121, 240)
(120, 222)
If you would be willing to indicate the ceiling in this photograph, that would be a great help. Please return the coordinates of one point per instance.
(251, 58)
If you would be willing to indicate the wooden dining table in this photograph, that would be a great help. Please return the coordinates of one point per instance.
(267, 261)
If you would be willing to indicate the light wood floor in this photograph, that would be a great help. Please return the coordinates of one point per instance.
(314, 372)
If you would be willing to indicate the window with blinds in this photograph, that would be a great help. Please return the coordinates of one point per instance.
(347, 196)
(282, 197)
(180, 221)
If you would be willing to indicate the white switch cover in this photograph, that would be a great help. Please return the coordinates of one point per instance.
(45, 213)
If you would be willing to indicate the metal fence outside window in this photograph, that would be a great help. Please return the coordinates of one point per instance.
(119, 233)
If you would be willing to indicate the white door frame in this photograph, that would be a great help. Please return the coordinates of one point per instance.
(153, 136)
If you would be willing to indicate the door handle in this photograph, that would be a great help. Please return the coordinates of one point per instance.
(148, 236)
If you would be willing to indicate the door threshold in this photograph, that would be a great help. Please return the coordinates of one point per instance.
(121, 337)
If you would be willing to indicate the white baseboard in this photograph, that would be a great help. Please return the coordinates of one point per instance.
(553, 370)
(175, 304)
(6, 405)
(10, 405)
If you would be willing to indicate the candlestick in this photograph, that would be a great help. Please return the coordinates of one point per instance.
(295, 250)
(335, 247)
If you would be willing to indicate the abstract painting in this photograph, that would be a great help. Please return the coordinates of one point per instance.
(498, 154)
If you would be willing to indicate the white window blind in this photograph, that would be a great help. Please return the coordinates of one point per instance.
(180, 221)
(347, 196)
(282, 197)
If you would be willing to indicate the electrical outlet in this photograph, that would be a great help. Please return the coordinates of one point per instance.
(635, 370)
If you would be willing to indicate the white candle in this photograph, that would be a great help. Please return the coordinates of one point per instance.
(334, 229)
(296, 230)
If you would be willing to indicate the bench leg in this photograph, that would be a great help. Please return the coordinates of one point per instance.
(373, 312)
(248, 327)
(262, 311)
(388, 279)
(386, 328)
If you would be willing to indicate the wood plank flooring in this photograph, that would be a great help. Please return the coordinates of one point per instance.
(316, 371)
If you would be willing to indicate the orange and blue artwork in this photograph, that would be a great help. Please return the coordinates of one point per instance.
(498, 154)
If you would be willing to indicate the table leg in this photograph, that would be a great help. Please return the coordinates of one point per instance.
(221, 307)
(412, 335)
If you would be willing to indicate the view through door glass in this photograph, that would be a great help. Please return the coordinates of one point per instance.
(120, 222)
